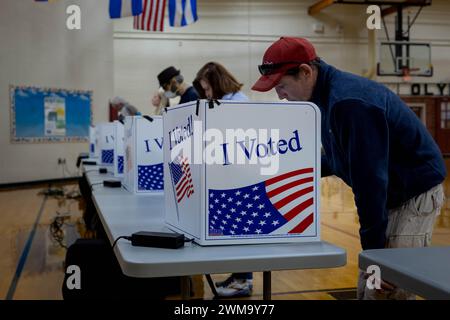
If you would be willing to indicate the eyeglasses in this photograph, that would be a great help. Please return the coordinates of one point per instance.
(270, 68)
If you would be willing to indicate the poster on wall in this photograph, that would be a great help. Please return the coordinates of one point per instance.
(49, 114)
(55, 116)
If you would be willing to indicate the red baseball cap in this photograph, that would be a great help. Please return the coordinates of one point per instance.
(282, 55)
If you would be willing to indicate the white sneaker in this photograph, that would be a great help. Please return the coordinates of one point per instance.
(235, 288)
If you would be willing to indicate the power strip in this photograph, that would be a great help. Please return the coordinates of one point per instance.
(112, 184)
(157, 239)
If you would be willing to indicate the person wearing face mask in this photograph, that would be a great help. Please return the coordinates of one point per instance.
(173, 85)
(214, 81)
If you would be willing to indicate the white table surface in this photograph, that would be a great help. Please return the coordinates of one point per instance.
(123, 213)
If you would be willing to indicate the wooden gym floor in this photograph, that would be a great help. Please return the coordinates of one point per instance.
(31, 259)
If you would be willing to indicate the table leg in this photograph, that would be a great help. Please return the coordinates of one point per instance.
(211, 285)
(185, 287)
(267, 285)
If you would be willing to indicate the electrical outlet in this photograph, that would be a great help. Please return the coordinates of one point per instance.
(61, 160)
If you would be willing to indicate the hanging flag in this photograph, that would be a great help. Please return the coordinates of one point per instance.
(182, 12)
(152, 16)
(124, 8)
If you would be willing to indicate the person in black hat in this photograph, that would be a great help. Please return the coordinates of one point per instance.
(173, 85)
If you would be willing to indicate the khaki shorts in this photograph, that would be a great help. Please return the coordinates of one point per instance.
(409, 226)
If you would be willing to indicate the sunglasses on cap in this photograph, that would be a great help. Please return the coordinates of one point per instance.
(269, 68)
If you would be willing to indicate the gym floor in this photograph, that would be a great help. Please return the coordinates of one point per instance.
(34, 230)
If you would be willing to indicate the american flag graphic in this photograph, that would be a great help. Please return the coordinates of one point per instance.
(152, 16)
(120, 164)
(181, 177)
(151, 177)
(280, 205)
(107, 156)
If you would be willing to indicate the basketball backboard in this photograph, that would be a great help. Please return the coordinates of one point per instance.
(404, 58)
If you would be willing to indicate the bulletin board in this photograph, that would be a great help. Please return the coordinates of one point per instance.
(49, 115)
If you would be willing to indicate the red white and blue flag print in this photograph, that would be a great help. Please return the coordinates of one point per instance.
(283, 204)
(120, 164)
(181, 177)
(151, 177)
(108, 156)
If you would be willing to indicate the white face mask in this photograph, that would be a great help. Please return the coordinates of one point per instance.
(170, 94)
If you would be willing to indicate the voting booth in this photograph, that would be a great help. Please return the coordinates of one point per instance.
(93, 142)
(243, 172)
(105, 136)
(118, 148)
(143, 154)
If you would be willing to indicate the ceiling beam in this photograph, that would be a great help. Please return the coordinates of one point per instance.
(318, 6)
(322, 4)
(407, 3)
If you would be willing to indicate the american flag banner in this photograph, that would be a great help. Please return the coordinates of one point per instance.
(280, 205)
(181, 177)
(107, 156)
(182, 12)
(152, 16)
(120, 164)
(124, 8)
(151, 177)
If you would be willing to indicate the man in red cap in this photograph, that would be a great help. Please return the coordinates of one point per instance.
(371, 140)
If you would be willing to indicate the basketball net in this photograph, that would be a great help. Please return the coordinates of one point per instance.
(406, 74)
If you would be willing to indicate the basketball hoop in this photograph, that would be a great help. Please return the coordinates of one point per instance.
(404, 59)
(406, 73)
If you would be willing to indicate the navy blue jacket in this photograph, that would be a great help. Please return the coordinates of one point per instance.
(377, 145)
(189, 95)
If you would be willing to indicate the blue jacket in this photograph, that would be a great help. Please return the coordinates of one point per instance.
(189, 95)
(377, 145)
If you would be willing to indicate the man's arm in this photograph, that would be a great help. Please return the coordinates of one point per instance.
(362, 132)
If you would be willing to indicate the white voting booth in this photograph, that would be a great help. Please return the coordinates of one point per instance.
(105, 136)
(118, 148)
(93, 142)
(242, 172)
(143, 155)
